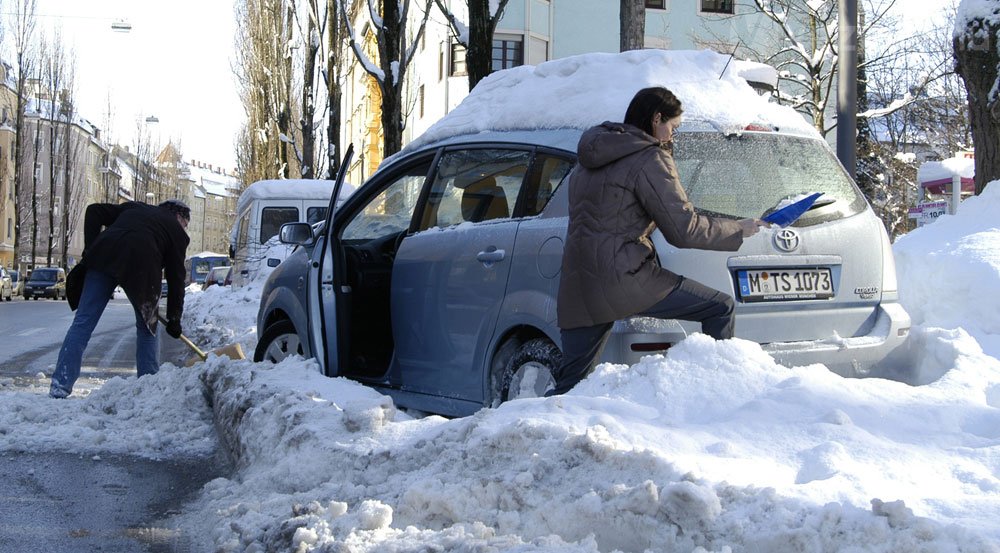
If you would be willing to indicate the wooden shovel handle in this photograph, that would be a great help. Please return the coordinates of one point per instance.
(189, 343)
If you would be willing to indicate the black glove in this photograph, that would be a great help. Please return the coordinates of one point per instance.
(174, 328)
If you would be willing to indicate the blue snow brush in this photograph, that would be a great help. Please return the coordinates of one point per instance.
(791, 213)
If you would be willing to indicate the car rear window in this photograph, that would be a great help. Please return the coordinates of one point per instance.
(751, 174)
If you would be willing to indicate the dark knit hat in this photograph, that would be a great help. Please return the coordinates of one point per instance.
(178, 207)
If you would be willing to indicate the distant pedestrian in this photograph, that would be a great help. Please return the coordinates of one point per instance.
(624, 186)
(132, 245)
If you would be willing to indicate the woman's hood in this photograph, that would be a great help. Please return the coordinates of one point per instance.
(609, 142)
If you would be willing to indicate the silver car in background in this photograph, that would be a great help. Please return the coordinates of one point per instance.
(436, 282)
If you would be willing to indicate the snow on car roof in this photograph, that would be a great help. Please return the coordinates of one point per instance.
(300, 189)
(583, 91)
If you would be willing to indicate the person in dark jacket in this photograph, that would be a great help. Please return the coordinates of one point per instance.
(129, 245)
(624, 186)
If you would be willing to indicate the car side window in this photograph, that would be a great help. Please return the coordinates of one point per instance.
(475, 185)
(391, 210)
(271, 219)
(315, 215)
(547, 173)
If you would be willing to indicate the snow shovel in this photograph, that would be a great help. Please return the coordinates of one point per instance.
(232, 351)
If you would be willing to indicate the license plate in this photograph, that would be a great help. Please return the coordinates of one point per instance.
(785, 284)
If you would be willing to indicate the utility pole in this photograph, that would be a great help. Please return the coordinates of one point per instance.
(847, 86)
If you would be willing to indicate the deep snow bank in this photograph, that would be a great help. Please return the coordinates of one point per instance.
(713, 447)
(160, 416)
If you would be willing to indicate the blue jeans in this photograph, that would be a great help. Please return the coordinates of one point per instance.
(97, 290)
(690, 301)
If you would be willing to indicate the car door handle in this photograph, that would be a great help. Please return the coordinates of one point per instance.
(491, 255)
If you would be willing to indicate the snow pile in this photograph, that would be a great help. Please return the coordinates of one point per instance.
(582, 91)
(160, 416)
(949, 271)
(713, 447)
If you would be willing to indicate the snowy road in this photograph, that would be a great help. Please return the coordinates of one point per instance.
(32, 334)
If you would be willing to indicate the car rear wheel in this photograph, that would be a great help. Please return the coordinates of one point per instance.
(278, 342)
(530, 370)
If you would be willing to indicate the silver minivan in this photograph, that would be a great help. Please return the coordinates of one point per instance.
(436, 282)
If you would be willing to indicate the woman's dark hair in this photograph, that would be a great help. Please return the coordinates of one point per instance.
(648, 102)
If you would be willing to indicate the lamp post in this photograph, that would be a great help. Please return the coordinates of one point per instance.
(847, 87)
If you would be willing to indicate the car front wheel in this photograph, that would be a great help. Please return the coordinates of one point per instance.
(530, 370)
(278, 342)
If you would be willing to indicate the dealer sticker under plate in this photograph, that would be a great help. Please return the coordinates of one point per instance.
(785, 284)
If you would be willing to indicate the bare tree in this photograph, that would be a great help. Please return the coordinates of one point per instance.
(54, 82)
(334, 76)
(24, 54)
(632, 25)
(264, 51)
(476, 34)
(36, 164)
(395, 52)
(977, 54)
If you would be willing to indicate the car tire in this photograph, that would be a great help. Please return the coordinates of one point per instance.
(529, 371)
(278, 342)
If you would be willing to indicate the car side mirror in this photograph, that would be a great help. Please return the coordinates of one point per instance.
(299, 233)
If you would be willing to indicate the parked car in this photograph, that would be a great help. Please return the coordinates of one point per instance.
(18, 282)
(221, 276)
(46, 282)
(6, 285)
(436, 282)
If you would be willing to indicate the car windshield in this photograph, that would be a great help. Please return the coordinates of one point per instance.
(44, 274)
(750, 175)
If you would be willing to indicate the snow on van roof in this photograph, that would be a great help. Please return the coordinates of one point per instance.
(582, 91)
(296, 189)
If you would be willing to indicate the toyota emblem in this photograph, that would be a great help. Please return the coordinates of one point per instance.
(786, 240)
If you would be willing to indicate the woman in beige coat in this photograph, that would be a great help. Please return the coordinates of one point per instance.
(625, 185)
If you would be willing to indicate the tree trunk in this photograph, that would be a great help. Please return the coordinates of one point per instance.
(34, 191)
(308, 169)
(976, 60)
(334, 57)
(479, 51)
(67, 196)
(632, 23)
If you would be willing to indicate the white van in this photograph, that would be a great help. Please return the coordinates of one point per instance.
(262, 208)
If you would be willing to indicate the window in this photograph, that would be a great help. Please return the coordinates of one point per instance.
(458, 66)
(315, 214)
(507, 53)
(656, 4)
(441, 63)
(546, 175)
(392, 209)
(717, 6)
(271, 219)
(474, 186)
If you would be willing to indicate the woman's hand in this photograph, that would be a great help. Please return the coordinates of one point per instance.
(750, 227)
